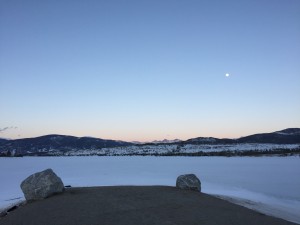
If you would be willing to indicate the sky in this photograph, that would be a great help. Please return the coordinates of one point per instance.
(149, 69)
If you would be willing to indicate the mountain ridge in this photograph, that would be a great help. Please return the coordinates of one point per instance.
(65, 143)
(286, 136)
(58, 142)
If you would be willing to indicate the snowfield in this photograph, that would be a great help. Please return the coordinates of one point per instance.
(268, 184)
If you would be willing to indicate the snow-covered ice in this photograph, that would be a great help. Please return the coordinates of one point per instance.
(268, 184)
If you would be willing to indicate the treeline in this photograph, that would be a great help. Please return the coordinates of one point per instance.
(9, 154)
(278, 152)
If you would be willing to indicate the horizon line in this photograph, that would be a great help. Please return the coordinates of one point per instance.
(172, 139)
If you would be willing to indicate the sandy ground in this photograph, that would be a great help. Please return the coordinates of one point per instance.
(270, 210)
(135, 205)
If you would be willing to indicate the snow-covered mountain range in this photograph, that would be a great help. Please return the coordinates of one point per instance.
(280, 142)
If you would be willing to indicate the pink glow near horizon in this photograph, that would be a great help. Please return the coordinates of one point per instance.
(138, 136)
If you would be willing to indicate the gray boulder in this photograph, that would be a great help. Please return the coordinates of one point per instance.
(188, 182)
(41, 185)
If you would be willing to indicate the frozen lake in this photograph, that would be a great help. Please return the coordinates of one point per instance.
(268, 184)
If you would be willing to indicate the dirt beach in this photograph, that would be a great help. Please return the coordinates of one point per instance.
(135, 205)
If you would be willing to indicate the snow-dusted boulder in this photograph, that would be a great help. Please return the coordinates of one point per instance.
(41, 185)
(188, 182)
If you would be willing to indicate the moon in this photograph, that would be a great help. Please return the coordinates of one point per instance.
(227, 74)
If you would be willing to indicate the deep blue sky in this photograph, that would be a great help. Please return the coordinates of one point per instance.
(145, 70)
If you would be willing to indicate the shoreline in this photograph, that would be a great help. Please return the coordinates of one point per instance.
(257, 206)
(136, 205)
(260, 207)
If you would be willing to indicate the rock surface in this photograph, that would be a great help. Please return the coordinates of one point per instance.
(188, 182)
(41, 185)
